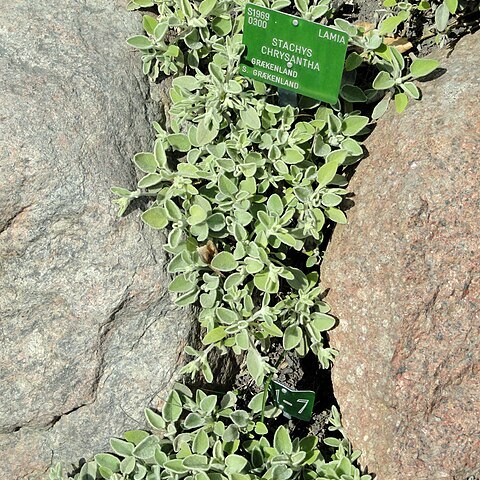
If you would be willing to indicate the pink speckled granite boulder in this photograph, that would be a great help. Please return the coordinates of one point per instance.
(404, 280)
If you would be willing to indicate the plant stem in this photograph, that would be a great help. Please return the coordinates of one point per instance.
(267, 386)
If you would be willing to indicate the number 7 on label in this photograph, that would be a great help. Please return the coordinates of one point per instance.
(305, 403)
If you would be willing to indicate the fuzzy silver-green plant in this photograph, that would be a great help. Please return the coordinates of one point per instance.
(438, 18)
(247, 188)
(205, 437)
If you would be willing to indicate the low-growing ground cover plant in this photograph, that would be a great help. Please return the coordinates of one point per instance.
(205, 437)
(246, 187)
(441, 20)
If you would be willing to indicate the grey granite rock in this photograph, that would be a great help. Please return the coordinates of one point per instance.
(404, 280)
(88, 333)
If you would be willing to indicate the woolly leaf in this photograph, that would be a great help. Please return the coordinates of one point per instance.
(121, 447)
(140, 42)
(442, 15)
(281, 441)
(292, 337)
(107, 460)
(383, 81)
(155, 217)
(401, 102)
(155, 420)
(250, 118)
(423, 66)
(224, 261)
(145, 162)
(326, 173)
(173, 407)
(135, 436)
(214, 335)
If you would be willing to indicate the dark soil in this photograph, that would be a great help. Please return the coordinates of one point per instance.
(358, 10)
(298, 374)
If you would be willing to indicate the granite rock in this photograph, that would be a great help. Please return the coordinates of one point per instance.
(89, 334)
(403, 277)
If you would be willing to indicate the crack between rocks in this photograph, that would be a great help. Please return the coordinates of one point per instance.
(432, 302)
(105, 329)
(51, 423)
(162, 299)
(104, 332)
(66, 414)
(466, 285)
(170, 376)
(138, 340)
(12, 219)
(456, 377)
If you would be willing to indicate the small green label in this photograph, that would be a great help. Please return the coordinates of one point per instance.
(291, 53)
(294, 403)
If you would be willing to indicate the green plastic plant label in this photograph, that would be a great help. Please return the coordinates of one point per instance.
(293, 403)
(294, 54)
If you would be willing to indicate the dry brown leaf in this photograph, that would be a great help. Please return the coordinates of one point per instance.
(401, 44)
(207, 252)
(366, 25)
